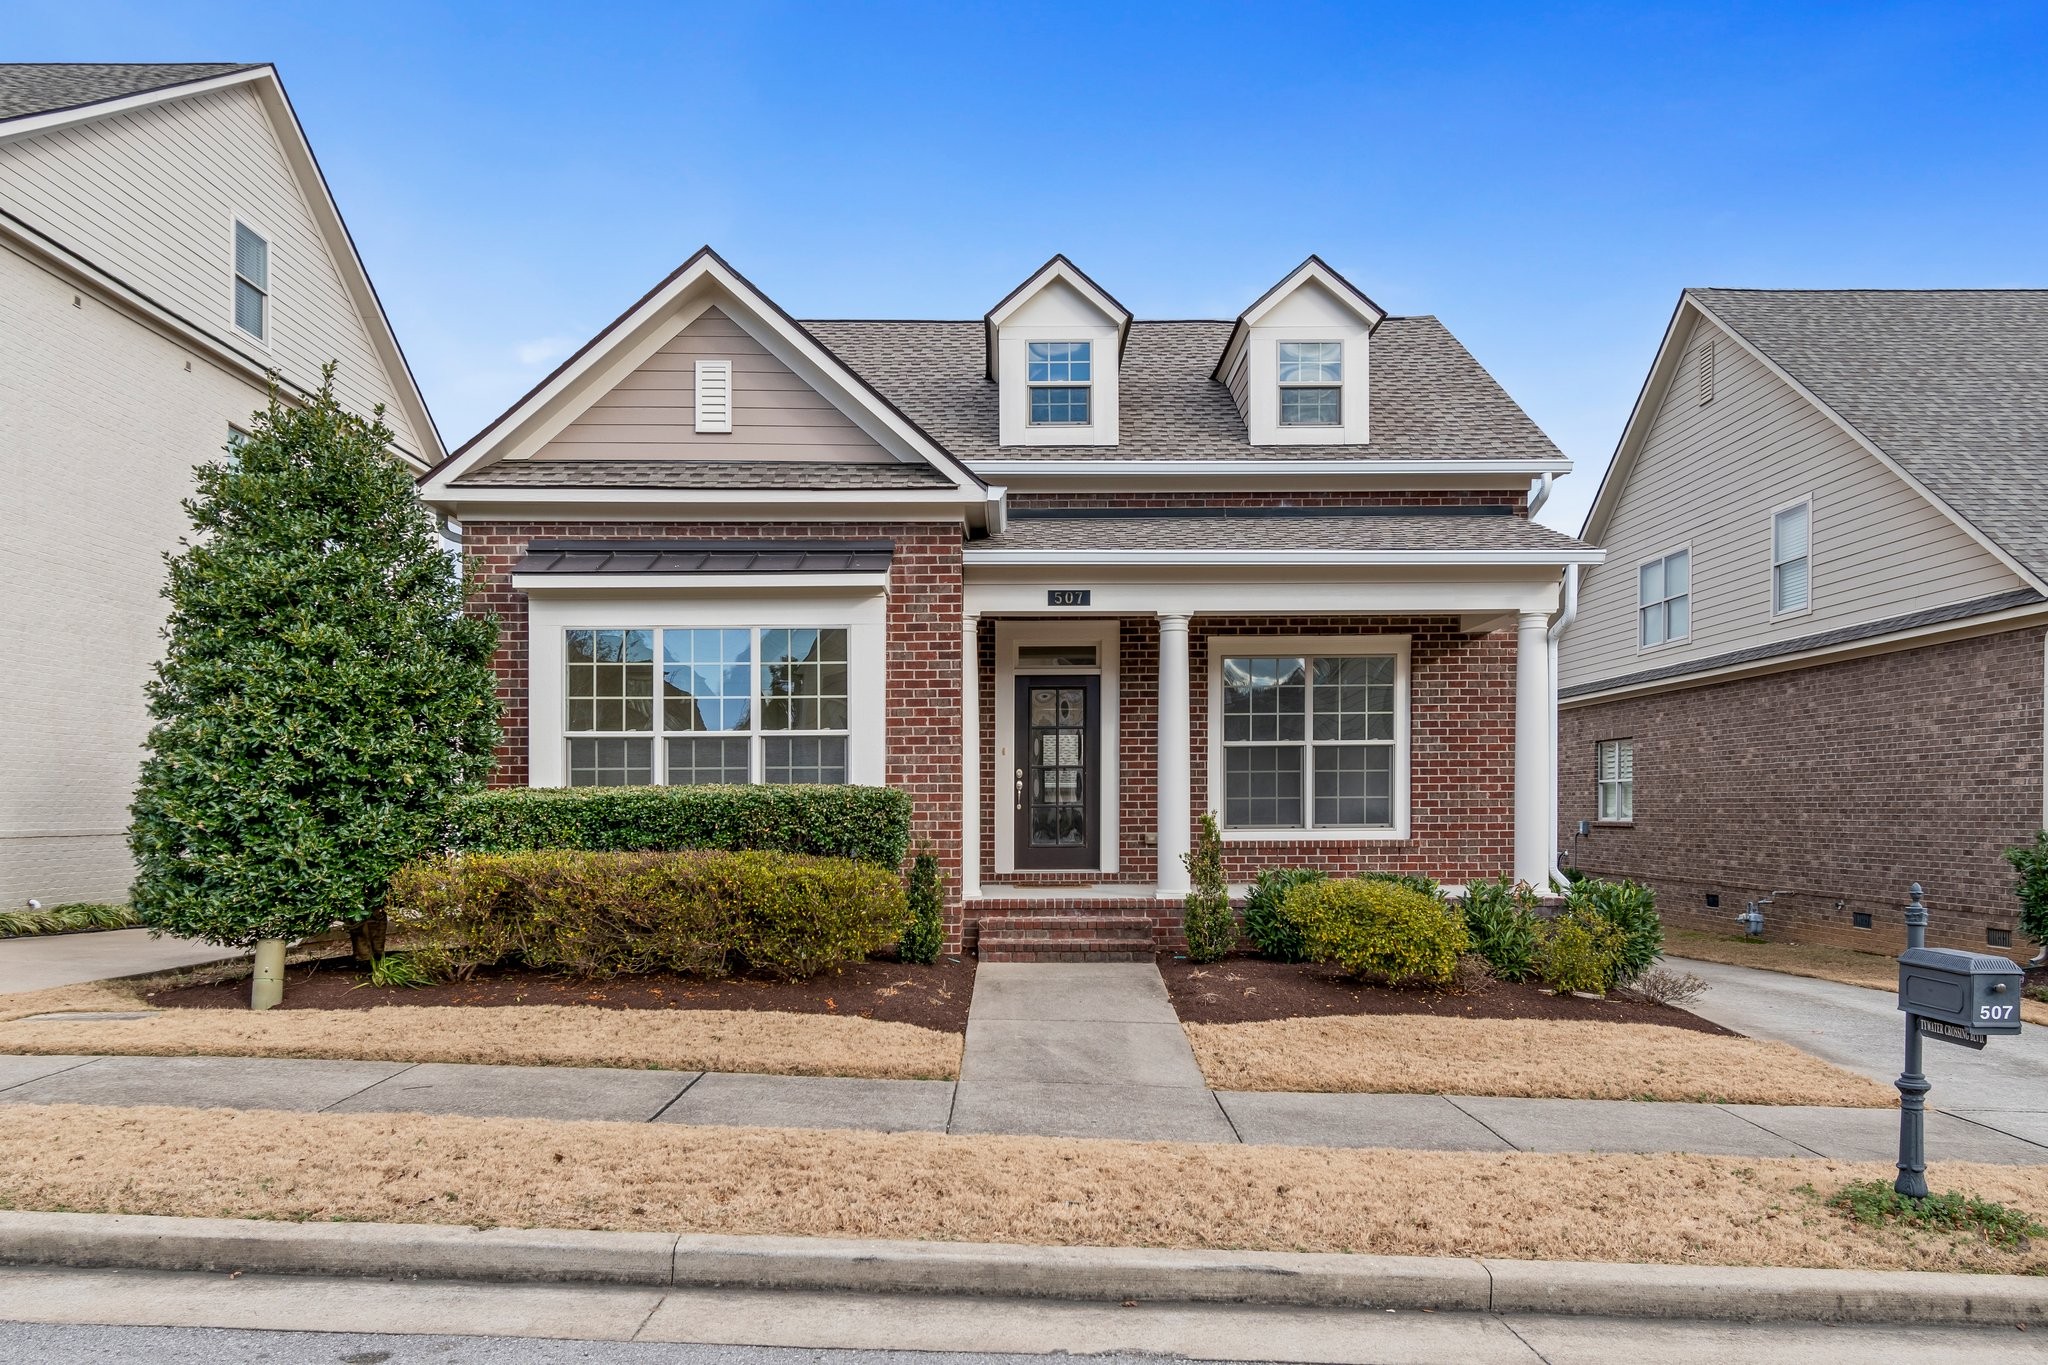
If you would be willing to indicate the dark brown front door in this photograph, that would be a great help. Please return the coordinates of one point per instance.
(1057, 786)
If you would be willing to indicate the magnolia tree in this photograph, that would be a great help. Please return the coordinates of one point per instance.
(321, 697)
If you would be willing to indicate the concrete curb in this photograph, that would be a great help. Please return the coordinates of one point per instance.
(542, 1255)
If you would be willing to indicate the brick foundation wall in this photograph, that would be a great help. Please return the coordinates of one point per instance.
(923, 650)
(1840, 784)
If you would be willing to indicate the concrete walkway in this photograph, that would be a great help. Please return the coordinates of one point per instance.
(39, 962)
(2005, 1086)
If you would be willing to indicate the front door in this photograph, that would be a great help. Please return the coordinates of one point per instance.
(1056, 786)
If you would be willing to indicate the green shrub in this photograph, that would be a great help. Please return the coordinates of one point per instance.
(703, 913)
(925, 933)
(2030, 861)
(1206, 920)
(1578, 951)
(869, 824)
(1500, 917)
(1631, 909)
(1378, 929)
(1266, 923)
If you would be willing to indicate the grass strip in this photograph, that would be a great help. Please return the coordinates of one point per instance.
(1672, 1209)
(66, 919)
(1874, 971)
(522, 1035)
(1532, 1058)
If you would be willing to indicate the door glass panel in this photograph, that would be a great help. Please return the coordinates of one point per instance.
(1058, 816)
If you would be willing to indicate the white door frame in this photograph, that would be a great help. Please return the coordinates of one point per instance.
(1102, 632)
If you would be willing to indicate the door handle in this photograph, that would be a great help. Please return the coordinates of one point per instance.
(1020, 789)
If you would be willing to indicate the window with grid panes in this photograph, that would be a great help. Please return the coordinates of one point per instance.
(1060, 378)
(1614, 760)
(1309, 741)
(731, 705)
(1311, 383)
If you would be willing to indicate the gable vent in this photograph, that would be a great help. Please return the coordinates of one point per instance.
(1706, 373)
(714, 395)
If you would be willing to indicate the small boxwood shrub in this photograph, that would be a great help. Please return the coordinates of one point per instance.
(1500, 917)
(703, 913)
(1378, 929)
(1578, 951)
(1632, 910)
(924, 935)
(870, 824)
(1266, 923)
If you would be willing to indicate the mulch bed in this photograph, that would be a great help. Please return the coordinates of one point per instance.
(1248, 990)
(934, 997)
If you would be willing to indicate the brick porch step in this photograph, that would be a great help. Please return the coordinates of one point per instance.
(1066, 938)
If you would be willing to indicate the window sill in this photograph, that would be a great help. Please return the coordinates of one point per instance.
(1614, 824)
(1312, 836)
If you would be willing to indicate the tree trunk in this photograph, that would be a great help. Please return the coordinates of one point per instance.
(366, 939)
(266, 986)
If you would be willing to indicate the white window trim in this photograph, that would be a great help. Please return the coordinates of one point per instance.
(1669, 639)
(1772, 532)
(255, 225)
(1220, 647)
(1280, 386)
(549, 616)
(1102, 632)
(1600, 782)
(1031, 387)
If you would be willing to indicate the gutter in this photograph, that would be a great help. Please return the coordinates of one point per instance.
(1566, 612)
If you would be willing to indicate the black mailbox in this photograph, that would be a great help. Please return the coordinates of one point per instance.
(1973, 991)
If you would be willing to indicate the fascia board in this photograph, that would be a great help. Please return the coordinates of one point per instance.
(1488, 559)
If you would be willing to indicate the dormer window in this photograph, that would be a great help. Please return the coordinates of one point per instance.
(1311, 383)
(1060, 383)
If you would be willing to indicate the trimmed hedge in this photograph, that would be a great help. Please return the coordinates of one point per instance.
(868, 824)
(704, 913)
(1379, 929)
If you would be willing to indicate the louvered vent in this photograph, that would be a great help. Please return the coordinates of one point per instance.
(1706, 373)
(714, 395)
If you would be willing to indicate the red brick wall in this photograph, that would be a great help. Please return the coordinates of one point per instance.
(1840, 784)
(923, 647)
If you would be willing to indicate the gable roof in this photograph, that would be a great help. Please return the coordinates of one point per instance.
(1431, 401)
(705, 274)
(1314, 270)
(44, 87)
(46, 95)
(1949, 387)
(1061, 269)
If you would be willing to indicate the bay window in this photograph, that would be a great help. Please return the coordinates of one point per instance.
(723, 705)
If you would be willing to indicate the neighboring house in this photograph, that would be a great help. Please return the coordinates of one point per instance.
(1812, 664)
(167, 245)
(1068, 578)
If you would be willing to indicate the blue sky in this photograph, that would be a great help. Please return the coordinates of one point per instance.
(1543, 180)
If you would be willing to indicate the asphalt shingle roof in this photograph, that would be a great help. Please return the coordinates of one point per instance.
(1306, 531)
(40, 87)
(1430, 399)
(786, 475)
(1950, 383)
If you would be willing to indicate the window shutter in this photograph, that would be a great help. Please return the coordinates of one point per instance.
(1706, 373)
(714, 395)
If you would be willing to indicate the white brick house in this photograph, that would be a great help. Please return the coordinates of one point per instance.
(166, 244)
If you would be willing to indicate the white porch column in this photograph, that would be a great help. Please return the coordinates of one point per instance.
(1533, 771)
(1173, 758)
(970, 756)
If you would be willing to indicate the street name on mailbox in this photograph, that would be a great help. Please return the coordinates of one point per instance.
(1949, 1033)
(1068, 597)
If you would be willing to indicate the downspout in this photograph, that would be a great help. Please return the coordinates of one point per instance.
(1567, 609)
(1540, 495)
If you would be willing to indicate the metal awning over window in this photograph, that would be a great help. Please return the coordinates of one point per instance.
(816, 562)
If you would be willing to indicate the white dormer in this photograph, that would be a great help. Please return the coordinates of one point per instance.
(1299, 361)
(1054, 349)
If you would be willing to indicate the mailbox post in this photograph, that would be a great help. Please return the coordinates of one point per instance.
(1960, 998)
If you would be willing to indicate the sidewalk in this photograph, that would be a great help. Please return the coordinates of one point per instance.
(42, 961)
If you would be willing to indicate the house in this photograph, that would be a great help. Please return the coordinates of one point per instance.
(1068, 577)
(1811, 668)
(167, 248)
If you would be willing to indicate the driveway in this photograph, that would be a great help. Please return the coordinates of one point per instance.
(38, 963)
(2004, 1087)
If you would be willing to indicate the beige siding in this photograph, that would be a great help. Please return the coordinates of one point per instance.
(151, 196)
(101, 422)
(1709, 476)
(651, 413)
(1239, 380)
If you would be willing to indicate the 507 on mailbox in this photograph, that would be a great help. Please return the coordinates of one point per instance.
(1972, 991)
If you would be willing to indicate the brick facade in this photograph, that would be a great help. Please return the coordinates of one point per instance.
(1838, 784)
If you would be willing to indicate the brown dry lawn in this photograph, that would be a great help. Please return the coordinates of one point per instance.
(1822, 963)
(1047, 1191)
(528, 1035)
(1538, 1058)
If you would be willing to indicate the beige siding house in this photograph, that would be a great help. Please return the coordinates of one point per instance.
(1812, 663)
(166, 245)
